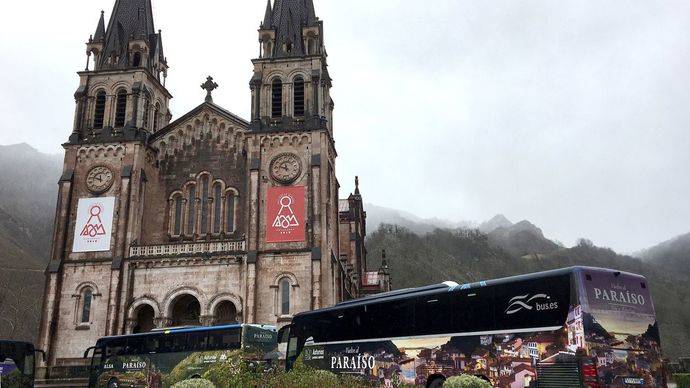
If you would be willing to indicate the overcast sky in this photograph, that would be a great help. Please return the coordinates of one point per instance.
(573, 114)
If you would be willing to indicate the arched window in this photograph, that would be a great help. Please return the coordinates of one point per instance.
(121, 108)
(147, 108)
(177, 214)
(299, 96)
(230, 199)
(285, 296)
(99, 111)
(87, 299)
(217, 208)
(204, 204)
(156, 113)
(136, 61)
(191, 210)
(277, 99)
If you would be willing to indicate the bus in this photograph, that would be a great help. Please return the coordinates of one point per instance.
(572, 327)
(17, 364)
(166, 357)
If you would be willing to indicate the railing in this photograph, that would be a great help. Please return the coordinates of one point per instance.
(187, 248)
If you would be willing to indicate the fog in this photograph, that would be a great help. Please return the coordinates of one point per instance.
(573, 114)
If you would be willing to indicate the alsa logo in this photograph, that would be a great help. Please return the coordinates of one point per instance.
(538, 302)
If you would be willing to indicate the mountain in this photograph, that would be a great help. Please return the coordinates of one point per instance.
(28, 191)
(674, 253)
(379, 215)
(521, 239)
(498, 221)
(470, 255)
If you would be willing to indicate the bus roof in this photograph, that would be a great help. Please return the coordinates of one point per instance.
(187, 330)
(452, 286)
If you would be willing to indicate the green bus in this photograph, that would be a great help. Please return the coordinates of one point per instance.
(164, 358)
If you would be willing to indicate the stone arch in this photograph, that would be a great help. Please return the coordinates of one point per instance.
(143, 315)
(219, 302)
(171, 296)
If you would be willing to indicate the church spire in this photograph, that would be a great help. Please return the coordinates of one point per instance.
(288, 19)
(100, 29)
(131, 20)
(268, 17)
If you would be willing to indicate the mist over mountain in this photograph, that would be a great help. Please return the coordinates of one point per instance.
(674, 253)
(28, 192)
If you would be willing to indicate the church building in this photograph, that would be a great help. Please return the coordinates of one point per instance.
(208, 218)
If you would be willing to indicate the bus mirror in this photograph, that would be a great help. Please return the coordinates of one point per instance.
(86, 353)
(284, 334)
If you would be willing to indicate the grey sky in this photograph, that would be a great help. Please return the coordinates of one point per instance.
(573, 114)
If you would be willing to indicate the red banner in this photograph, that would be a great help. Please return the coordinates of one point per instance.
(285, 214)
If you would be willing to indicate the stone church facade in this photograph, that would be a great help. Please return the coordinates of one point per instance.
(207, 219)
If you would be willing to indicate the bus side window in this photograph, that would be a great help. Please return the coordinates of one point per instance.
(224, 339)
(391, 319)
(115, 347)
(473, 310)
(135, 345)
(197, 341)
(433, 314)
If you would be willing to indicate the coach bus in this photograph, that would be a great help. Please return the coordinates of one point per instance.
(574, 327)
(17, 364)
(166, 357)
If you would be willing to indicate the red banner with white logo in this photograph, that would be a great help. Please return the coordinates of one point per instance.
(285, 214)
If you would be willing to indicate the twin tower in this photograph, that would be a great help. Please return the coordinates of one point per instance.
(207, 219)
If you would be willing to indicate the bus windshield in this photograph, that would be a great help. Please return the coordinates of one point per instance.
(164, 358)
(17, 360)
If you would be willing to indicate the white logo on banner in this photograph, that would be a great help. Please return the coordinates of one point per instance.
(286, 216)
(93, 230)
(524, 302)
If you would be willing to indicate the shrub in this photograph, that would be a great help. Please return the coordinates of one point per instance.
(682, 380)
(466, 381)
(194, 383)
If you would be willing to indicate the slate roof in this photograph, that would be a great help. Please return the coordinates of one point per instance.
(131, 19)
(287, 19)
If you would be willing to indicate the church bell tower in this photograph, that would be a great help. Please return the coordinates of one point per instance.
(292, 159)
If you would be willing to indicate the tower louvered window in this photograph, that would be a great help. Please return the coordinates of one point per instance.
(191, 210)
(299, 96)
(147, 111)
(99, 111)
(121, 108)
(230, 212)
(217, 206)
(204, 205)
(156, 113)
(277, 99)
(177, 224)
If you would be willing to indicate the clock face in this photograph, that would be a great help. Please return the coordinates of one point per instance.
(286, 168)
(99, 179)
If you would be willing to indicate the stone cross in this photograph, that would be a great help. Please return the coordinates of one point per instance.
(209, 86)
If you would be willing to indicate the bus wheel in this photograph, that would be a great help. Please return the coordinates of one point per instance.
(435, 382)
(113, 383)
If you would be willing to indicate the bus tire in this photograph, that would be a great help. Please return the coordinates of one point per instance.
(435, 382)
(113, 383)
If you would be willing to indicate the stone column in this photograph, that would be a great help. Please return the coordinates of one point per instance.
(253, 237)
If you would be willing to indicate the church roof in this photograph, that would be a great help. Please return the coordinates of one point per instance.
(206, 104)
(287, 19)
(131, 19)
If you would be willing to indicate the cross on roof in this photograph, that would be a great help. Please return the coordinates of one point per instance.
(209, 86)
